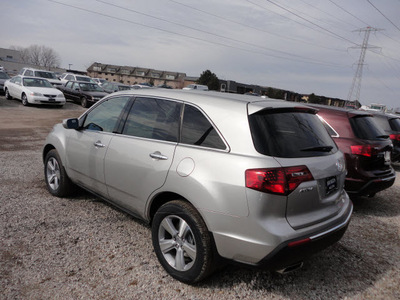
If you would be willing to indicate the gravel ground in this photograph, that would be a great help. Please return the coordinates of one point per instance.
(82, 248)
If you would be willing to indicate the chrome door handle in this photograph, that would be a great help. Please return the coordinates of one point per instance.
(158, 155)
(98, 144)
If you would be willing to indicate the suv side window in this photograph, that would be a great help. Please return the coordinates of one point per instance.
(69, 84)
(105, 116)
(28, 73)
(154, 119)
(69, 77)
(197, 130)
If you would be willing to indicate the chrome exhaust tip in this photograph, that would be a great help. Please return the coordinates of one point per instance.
(290, 268)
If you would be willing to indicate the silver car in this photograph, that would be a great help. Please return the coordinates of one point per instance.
(251, 180)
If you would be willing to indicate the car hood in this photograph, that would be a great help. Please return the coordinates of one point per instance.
(42, 90)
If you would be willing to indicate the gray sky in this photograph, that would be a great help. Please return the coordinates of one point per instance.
(305, 46)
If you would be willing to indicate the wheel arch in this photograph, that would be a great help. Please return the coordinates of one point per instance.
(46, 149)
(159, 200)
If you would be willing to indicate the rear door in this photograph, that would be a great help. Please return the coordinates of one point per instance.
(295, 139)
(138, 160)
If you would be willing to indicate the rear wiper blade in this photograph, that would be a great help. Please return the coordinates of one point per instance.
(382, 136)
(318, 148)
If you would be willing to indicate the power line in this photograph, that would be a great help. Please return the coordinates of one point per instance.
(290, 56)
(329, 14)
(383, 15)
(324, 29)
(349, 13)
(202, 31)
(252, 27)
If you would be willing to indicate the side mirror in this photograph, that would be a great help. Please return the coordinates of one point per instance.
(71, 123)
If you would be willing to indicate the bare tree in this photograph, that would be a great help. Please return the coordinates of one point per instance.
(39, 55)
(35, 54)
(49, 58)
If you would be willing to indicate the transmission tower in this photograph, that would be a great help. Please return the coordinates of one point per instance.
(354, 93)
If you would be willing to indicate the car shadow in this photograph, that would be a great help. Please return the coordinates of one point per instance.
(343, 270)
(383, 204)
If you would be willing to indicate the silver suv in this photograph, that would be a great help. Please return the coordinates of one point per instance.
(217, 175)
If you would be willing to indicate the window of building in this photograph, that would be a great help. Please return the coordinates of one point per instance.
(139, 73)
(170, 77)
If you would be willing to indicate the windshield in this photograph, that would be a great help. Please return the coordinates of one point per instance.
(44, 74)
(90, 87)
(290, 134)
(37, 82)
(4, 75)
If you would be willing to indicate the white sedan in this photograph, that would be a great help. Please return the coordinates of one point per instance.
(33, 90)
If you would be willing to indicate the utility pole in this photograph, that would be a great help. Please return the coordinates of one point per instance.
(354, 93)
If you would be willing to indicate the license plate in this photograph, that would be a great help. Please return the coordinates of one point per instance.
(387, 157)
(331, 184)
(52, 100)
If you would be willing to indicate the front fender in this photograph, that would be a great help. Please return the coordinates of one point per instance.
(56, 139)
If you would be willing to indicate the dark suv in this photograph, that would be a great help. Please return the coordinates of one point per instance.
(391, 125)
(366, 147)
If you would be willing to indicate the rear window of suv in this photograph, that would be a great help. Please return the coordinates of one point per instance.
(290, 134)
(395, 124)
(365, 127)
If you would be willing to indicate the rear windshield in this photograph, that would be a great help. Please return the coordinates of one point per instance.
(395, 124)
(290, 134)
(366, 128)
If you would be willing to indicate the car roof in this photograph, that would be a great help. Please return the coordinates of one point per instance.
(212, 97)
(350, 112)
(80, 81)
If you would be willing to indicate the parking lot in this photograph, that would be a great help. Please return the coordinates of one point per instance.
(81, 247)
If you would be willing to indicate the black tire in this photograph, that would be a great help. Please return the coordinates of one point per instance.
(8, 96)
(57, 180)
(187, 256)
(24, 100)
(84, 102)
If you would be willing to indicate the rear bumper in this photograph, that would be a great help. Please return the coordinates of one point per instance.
(294, 251)
(360, 187)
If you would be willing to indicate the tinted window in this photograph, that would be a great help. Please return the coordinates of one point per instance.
(4, 75)
(382, 122)
(395, 124)
(365, 128)
(69, 84)
(197, 130)
(154, 119)
(290, 134)
(104, 117)
(81, 78)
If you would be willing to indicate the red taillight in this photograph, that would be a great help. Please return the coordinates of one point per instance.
(364, 150)
(395, 137)
(280, 181)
